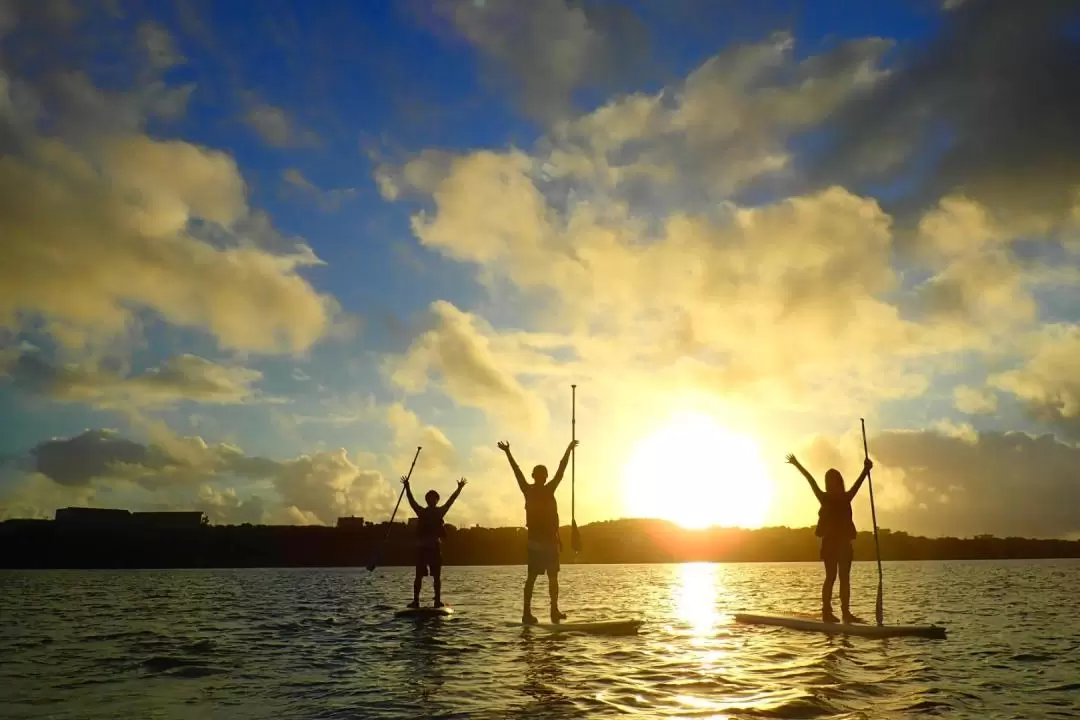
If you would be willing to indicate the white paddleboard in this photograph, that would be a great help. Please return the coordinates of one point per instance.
(602, 627)
(880, 631)
(425, 612)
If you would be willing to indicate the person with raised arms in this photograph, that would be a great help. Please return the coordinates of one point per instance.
(542, 524)
(836, 528)
(429, 534)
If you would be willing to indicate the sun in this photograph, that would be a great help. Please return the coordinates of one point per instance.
(696, 473)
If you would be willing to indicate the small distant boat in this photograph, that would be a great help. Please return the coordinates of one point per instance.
(878, 631)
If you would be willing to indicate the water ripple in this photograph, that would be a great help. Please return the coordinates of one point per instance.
(324, 644)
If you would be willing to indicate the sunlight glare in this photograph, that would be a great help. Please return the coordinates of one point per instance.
(696, 596)
(696, 473)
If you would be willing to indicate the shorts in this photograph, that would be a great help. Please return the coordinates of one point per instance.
(428, 560)
(836, 550)
(543, 558)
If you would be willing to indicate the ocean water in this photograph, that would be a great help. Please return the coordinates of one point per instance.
(323, 643)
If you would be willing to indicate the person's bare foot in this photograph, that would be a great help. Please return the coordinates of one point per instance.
(828, 616)
(529, 619)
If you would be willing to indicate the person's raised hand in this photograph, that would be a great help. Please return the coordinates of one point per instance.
(504, 446)
(868, 464)
(404, 479)
(792, 460)
(462, 483)
(573, 444)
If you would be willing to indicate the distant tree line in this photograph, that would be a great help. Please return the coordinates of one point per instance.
(49, 544)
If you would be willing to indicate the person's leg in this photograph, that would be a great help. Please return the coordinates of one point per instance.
(418, 582)
(436, 579)
(826, 590)
(845, 589)
(526, 612)
(553, 594)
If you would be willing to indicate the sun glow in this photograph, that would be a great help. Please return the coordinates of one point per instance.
(696, 473)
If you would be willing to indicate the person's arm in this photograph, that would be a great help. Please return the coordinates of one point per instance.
(505, 447)
(867, 464)
(809, 478)
(554, 484)
(454, 496)
(408, 492)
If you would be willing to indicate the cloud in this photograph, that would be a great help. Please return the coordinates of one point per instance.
(181, 378)
(158, 45)
(988, 106)
(1049, 383)
(974, 401)
(327, 200)
(277, 127)
(546, 50)
(438, 453)
(457, 353)
(87, 248)
(316, 487)
(1000, 483)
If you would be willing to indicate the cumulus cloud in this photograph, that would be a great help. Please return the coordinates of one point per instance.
(409, 431)
(457, 353)
(181, 378)
(1049, 383)
(1001, 483)
(311, 488)
(974, 400)
(989, 107)
(277, 127)
(86, 248)
(546, 50)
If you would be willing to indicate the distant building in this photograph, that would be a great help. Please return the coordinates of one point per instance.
(92, 517)
(350, 523)
(170, 520)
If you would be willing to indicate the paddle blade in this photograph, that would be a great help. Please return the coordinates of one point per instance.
(575, 538)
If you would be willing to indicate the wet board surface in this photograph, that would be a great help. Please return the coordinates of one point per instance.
(424, 612)
(600, 627)
(799, 623)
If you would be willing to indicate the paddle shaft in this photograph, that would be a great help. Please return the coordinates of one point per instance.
(390, 525)
(575, 535)
(879, 607)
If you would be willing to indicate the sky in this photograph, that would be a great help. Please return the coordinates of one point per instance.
(252, 255)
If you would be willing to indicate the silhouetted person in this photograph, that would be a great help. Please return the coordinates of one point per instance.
(542, 522)
(429, 534)
(836, 528)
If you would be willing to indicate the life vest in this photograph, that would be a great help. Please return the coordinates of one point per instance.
(429, 525)
(541, 510)
(834, 518)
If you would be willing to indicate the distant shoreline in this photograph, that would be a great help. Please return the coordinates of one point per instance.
(48, 544)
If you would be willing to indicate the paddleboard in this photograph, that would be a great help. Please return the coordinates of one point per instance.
(425, 612)
(602, 627)
(797, 623)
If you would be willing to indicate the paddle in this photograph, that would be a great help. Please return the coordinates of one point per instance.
(390, 525)
(575, 536)
(879, 608)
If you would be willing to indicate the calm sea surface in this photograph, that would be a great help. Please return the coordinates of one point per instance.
(318, 643)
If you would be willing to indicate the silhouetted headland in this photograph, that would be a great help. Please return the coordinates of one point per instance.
(118, 539)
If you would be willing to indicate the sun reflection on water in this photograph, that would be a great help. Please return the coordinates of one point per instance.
(695, 598)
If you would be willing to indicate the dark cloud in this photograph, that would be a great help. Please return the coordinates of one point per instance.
(184, 377)
(967, 484)
(990, 108)
(94, 453)
(315, 488)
